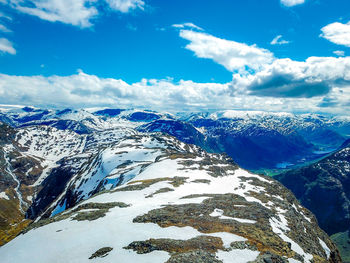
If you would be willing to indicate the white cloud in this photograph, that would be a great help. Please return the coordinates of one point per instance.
(315, 77)
(259, 73)
(87, 90)
(4, 29)
(319, 84)
(83, 90)
(290, 3)
(6, 46)
(234, 56)
(3, 18)
(260, 82)
(339, 53)
(73, 12)
(187, 26)
(2, 15)
(337, 33)
(126, 6)
(278, 40)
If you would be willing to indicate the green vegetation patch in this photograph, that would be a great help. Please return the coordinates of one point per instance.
(342, 240)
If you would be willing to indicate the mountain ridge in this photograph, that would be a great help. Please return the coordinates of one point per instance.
(181, 204)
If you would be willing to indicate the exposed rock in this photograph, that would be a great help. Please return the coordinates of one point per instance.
(101, 253)
(206, 243)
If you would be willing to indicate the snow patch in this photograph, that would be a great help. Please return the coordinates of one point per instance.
(3, 195)
(219, 213)
(325, 248)
(237, 255)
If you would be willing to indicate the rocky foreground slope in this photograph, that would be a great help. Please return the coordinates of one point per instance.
(151, 198)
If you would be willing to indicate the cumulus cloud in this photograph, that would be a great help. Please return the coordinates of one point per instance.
(88, 90)
(328, 102)
(126, 6)
(234, 56)
(314, 77)
(337, 33)
(290, 3)
(257, 72)
(278, 40)
(260, 81)
(187, 26)
(73, 12)
(6, 46)
(84, 90)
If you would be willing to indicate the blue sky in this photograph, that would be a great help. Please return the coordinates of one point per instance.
(188, 52)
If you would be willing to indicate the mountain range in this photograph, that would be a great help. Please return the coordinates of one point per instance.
(270, 140)
(166, 185)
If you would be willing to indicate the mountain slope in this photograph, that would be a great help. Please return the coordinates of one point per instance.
(255, 145)
(30, 155)
(151, 198)
(261, 140)
(324, 184)
(324, 188)
(11, 211)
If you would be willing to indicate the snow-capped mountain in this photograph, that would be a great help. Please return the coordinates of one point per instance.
(33, 154)
(56, 164)
(255, 140)
(152, 198)
(42, 149)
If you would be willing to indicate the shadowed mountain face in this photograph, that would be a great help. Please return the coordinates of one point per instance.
(325, 184)
(324, 188)
(258, 140)
(252, 147)
(268, 143)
